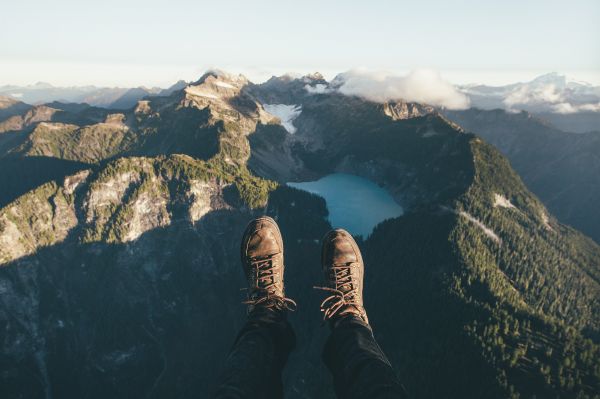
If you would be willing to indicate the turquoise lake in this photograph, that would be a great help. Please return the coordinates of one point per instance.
(354, 203)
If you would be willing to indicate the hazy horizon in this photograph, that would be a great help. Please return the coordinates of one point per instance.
(491, 78)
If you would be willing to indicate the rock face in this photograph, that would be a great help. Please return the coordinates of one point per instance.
(40, 218)
(40, 113)
(122, 278)
(7, 102)
(88, 144)
(406, 110)
(119, 204)
(204, 198)
(10, 107)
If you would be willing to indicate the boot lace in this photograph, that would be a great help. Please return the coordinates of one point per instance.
(264, 291)
(344, 294)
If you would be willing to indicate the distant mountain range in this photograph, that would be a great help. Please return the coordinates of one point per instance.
(569, 105)
(119, 235)
(116, 97)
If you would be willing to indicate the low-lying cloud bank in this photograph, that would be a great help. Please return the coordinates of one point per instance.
(422, 86)
(567, 108)
(552, 92)
(559, 100)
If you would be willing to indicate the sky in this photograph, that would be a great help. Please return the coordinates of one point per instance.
(155, 43)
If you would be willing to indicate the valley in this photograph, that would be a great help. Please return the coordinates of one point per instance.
(120, 272)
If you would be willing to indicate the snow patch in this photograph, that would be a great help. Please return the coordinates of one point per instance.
(197, 91)
(502, 201)
(286, 113)
(488, 232)
(223, 84)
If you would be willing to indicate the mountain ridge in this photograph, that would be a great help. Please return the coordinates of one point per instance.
(561, 168)
(129, 279)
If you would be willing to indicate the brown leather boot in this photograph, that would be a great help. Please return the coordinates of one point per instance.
(344, 270)
(262, 258)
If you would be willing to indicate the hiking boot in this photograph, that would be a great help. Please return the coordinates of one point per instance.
(262, 258)
(344, 270)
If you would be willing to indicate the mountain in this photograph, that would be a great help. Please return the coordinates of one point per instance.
(562, 169)
(579, 122)
(44, 92)
(107, 97)
(180, 85)
(570, 105)
(122, 278)
(10, 107)
(118, 98)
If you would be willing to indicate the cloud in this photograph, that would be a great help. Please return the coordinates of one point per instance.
(567, 108)
(319, 88)
(423, 86)
(589, 107)
(526, 94)
(552, 97)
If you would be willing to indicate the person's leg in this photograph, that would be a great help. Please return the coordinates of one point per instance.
(254, 365)
(359, 367)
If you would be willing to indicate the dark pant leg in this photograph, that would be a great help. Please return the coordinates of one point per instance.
(357, 363)
(254, 365)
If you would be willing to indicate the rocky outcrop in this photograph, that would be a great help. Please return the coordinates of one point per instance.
(116, 204)
(115, 119)
(399, 110)
(205, 197)
(7, 102)
(9, 109)
(42, 217)
(90, 144)
(40, 113)
(225, 98)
